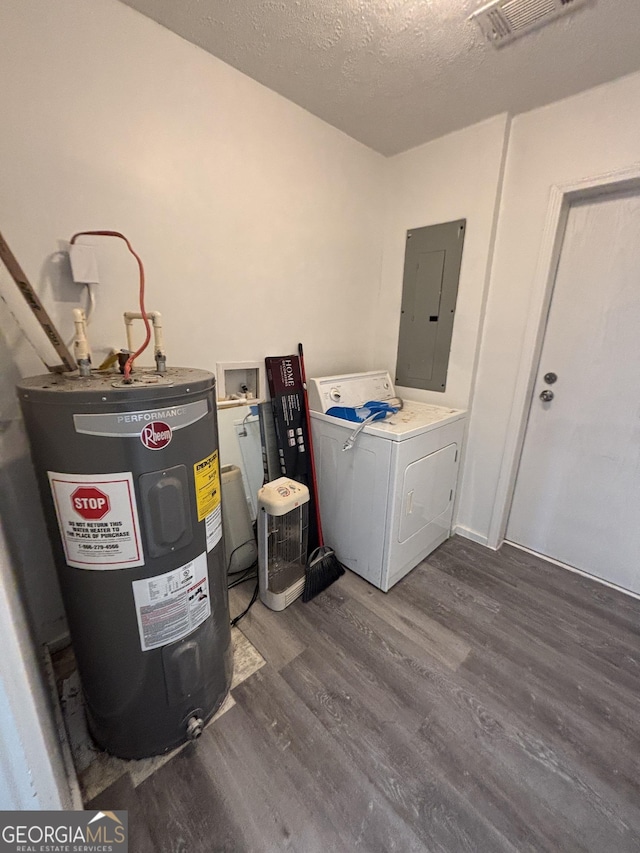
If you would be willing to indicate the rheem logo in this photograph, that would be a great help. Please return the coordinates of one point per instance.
(90, 503)
(156, 435)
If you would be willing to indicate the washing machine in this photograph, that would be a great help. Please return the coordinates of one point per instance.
(387, 501)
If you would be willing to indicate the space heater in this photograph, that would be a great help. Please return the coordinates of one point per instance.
(283, 520)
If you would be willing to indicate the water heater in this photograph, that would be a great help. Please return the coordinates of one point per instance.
(128, 472)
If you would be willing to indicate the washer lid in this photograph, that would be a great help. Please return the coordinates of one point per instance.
(414, 419)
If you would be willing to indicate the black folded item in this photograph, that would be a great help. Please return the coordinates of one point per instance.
(287, 403)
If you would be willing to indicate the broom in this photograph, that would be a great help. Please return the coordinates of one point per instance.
(323, 567)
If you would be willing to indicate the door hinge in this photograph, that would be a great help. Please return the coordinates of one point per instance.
(450, 495)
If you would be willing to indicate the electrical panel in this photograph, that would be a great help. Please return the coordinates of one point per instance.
(433, 256)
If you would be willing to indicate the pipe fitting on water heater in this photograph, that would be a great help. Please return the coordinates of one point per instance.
(81, 351)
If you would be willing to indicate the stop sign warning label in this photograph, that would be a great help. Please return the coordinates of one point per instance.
(98, 520)
(90, 503)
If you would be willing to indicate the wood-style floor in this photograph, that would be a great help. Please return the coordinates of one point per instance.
(489, 702)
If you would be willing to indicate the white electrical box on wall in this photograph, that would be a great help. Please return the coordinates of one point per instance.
(240, 382)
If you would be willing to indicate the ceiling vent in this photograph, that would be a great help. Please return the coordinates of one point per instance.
(503, 21)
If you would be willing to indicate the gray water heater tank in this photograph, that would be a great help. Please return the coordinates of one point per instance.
(129, 477)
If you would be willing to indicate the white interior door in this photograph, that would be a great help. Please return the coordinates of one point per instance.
(577, 495)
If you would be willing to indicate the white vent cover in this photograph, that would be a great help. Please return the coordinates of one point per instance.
(502, 21)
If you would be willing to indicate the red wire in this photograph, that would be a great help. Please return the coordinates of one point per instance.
(131, 359)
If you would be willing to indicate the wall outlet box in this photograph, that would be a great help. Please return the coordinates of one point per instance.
(240, 382)
(84, 264)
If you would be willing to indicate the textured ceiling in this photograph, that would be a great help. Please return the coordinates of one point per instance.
(396, 73)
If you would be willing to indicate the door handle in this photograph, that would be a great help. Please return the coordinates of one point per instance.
(409, 505)
(546, 396)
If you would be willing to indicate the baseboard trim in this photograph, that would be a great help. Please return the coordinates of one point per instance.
(574, 570)
(459, 530)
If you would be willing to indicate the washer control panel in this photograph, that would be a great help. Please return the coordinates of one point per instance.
(350, 389)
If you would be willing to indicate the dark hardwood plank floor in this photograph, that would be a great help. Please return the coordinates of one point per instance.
(488, 703)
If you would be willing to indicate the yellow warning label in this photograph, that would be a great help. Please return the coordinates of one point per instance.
(207, 478)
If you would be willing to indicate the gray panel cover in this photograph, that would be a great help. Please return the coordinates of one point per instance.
(165, 508)
(433, 257)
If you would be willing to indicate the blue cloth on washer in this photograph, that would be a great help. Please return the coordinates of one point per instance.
(378, 408)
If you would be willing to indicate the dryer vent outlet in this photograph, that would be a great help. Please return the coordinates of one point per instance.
(503, 21)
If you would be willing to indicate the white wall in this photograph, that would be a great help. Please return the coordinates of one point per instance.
(31, 764)
(455, 177)
(243, 206)
(19, 500)
(587, 135)
(259, 225)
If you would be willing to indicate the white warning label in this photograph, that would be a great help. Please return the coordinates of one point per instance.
(213, 528)
(98, 520)
(171, 606)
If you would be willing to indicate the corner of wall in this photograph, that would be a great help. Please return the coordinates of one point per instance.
(32, 771)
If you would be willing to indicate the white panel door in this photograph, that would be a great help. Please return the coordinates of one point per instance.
(577, 495)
